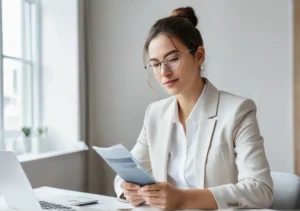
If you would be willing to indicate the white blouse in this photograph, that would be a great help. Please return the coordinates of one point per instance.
(181, 154)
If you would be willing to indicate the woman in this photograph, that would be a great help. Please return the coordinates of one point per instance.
(202, 145)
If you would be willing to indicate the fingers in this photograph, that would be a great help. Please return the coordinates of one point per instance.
(133, 198)
(137, 196)
(155, 187)
(150, 193)
(131, 192)
(132, 195)
(137, 202)
(129, 186)
(153, 201)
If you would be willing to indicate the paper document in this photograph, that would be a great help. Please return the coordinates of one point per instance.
(125, 165)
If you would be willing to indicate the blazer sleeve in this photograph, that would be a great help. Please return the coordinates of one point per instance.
(141, 153)
(255, 186)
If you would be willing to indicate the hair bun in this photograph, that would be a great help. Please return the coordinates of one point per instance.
(186, 12)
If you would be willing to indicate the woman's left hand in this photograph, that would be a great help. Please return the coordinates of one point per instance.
(162, 195)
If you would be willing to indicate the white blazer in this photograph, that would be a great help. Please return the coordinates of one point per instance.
(231, 160)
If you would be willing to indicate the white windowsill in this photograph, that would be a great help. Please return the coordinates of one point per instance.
(81, 146)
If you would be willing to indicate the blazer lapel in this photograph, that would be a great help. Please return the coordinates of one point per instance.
(207, 125)
(163, 143)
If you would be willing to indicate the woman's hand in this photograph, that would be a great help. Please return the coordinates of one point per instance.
(162, 195)
(130, 191)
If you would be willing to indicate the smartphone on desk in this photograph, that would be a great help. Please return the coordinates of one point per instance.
(71, 200)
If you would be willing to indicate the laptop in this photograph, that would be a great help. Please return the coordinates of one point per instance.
(16, 188)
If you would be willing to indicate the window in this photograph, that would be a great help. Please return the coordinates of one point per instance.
(19, 65)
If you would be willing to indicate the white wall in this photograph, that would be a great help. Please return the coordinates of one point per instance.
(248, 53)
(258, 63)
(66, 172)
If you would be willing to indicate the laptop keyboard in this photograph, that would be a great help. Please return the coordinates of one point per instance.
(48, 206)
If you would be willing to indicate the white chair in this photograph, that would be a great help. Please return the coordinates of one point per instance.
(286, 191)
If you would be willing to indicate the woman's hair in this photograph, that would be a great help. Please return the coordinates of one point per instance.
(182, 25)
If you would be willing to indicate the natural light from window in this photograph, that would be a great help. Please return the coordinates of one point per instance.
(19, 47)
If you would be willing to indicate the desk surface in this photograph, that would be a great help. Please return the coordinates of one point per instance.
(105, 202)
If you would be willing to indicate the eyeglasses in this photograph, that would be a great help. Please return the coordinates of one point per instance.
(172, 62)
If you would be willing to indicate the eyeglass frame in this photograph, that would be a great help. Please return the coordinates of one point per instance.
(163, 61)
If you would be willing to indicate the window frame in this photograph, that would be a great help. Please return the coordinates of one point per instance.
(34, 87)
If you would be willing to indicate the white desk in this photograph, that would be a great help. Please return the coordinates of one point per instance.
(105, 202)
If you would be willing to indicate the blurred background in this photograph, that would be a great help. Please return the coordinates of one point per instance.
(72, 76)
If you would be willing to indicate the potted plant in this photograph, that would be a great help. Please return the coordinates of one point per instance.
(39, 139)
(26, 138)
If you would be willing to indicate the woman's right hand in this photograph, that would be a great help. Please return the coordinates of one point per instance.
(130, 191)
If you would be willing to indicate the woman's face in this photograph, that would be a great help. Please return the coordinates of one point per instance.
(182, 79)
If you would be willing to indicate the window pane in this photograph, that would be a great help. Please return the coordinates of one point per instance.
(17, 94)
(12, 26)
(34, 32)
(27, 30)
